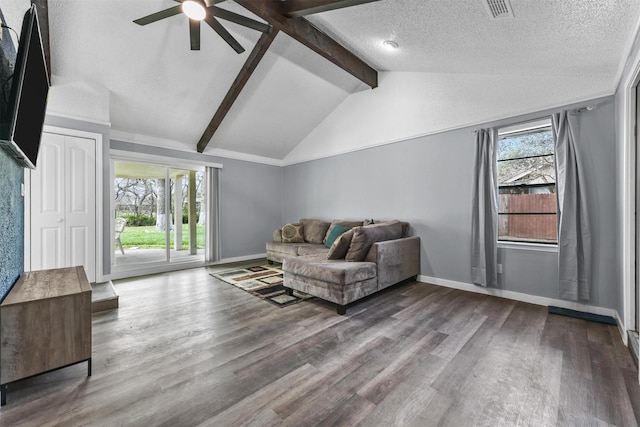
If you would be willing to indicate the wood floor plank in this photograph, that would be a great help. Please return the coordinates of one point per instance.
(616, 408)
(539, 407)
(186, 349)
(633, 390)
(330, 375)
(576, 347)
(245, 410)
(410, 404)
(401, 367)
(576, 406)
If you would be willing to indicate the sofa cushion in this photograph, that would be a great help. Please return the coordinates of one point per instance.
(290, 249)
(312, 249)
(333, 234)
(405, 225)
(364, 237)
(347, 224)
(292, 233)
(341, 245)
(314, 230)
(339, 272)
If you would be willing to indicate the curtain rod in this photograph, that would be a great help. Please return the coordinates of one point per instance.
(578, 110)
(585, 108)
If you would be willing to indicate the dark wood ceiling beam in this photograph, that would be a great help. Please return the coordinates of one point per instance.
(247, 70)
(304, 32)
(298, 8)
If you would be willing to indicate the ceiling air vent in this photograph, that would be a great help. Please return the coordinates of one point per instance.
(499, 8)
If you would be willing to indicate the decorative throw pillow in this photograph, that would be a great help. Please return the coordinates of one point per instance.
(292, 233)
(314, 230)
(405, 225)
(341, 245)
(335, 232)
(347, 224)
(365, 237)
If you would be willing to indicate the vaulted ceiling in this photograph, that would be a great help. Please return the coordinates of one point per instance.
(455, 66)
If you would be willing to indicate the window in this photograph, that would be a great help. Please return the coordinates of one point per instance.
(527, 184)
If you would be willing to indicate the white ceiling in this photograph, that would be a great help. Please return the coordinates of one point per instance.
(159, 88)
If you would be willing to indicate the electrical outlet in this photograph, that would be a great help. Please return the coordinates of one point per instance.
(499, 268)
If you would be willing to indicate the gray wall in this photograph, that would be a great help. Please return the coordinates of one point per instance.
(427, 181)
(250, 199)
(250, 206)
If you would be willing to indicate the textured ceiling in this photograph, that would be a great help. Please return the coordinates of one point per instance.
(546, 37)
(159, 88)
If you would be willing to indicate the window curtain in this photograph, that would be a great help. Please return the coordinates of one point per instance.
(212, 246)
(484, 226)
(574, 237)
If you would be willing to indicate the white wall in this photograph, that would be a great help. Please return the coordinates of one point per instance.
(410, 104)
(79, 100)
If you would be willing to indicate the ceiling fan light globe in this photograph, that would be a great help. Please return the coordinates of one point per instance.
(194, 9)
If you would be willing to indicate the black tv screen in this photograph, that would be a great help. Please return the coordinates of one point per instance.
(21, 123)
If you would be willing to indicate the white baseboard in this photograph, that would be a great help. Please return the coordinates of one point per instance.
(622, 329)
(239, 259)
(532, 299)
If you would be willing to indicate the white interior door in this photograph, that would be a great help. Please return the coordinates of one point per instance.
(63, 204)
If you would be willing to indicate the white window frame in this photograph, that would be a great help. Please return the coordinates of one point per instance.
(520, 128)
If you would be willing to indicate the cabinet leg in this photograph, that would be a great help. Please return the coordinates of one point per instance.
(3, 395)
(89, 367)
(341, 309)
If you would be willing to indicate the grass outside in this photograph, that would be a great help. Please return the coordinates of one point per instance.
(150, 238)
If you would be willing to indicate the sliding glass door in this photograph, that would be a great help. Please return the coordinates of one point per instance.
(188, 232)
(159, 215)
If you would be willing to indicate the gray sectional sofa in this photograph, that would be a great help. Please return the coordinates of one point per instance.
(344, 261)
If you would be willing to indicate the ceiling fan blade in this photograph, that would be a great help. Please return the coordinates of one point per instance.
(194, 34)
(238, 19)
(159, 15)
(218, 28)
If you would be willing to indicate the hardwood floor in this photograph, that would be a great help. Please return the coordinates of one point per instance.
(185, 349)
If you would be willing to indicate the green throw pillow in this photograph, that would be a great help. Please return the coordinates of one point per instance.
(335, 233)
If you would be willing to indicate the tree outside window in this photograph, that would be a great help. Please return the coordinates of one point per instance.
(527, 205)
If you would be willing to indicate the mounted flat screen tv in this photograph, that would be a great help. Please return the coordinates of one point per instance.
(22, 120)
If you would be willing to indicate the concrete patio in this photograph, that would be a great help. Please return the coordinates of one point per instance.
(134, 256)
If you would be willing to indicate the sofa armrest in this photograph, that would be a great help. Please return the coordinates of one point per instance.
(277, 235)
(396, 260)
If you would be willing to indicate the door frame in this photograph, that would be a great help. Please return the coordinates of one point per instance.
(26, 192)
(625, 103)
(164, 161)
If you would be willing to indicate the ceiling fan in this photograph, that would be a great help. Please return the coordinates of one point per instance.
(199, 10)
